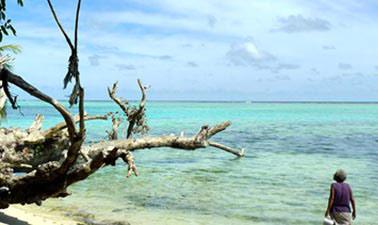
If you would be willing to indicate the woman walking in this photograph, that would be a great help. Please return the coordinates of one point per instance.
(340, 199)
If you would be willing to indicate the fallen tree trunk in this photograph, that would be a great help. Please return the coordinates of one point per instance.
(53, 159)
(24, 151)
(41, 154)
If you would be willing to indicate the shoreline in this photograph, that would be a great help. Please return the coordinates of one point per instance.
(27, 215)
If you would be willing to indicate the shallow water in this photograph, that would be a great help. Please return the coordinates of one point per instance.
(292, 152)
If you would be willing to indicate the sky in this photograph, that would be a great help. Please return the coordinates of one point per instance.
(218, 50)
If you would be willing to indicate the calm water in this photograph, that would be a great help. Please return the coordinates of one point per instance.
(292, 152)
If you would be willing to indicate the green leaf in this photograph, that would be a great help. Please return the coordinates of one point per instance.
(10, 48)
(12, 29)
(4, 30)
(3, 4)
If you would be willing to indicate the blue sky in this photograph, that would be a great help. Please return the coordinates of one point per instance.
(206, 49)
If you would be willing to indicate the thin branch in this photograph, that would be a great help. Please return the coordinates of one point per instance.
(138, 114)
(60, 126)
(81, 90)
(218, 128)
(81, 109)
(143, 99)
(177, 142)
(239, 153)
(116, 122)
(5, 88)
(77, 23)
(68, 40)
(107, 152)
(37, 123)
(135, 116)
(122, 104)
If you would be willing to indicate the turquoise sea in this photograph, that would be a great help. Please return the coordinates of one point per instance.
(292, 149)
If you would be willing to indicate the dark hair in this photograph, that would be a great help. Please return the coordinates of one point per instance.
(340, 176)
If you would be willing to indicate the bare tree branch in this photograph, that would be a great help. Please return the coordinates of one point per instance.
(81, 90)
(77, 92)
(116, 122)
(135, 115)
(21, 83)
(5, 88)
(122, 104)
(238, 153)
(77, 22)
(68, 40)
(37, 123)
(51, 131)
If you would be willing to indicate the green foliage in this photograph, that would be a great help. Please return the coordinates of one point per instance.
(3, 112)
(10, 48)
(6, 27)
(6, 59)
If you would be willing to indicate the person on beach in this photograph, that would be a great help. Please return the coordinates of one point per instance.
(340, 199)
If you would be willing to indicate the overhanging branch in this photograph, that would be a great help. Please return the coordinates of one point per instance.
(30, 89)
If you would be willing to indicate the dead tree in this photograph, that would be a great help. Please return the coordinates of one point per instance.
(51, 160)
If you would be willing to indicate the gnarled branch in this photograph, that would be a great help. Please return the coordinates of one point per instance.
(135, 115)
(116, 122)
(30, 89)
(122, 104)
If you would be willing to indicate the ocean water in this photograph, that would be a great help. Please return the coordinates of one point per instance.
(292, 151)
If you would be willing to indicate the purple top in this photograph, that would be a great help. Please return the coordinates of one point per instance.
(342, 197)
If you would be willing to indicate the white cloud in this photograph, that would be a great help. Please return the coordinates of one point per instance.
(247, 53)
(159, 38)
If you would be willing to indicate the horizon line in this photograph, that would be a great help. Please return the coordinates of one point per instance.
(235, 101)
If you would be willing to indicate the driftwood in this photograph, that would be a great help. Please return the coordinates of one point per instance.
(44, 154)
(116, 122)
(135, 115)
(37, 164)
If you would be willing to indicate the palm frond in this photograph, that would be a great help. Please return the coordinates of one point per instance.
(10, 48)
(6, 62)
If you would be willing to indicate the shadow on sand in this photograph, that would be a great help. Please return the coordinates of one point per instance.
(9, 220)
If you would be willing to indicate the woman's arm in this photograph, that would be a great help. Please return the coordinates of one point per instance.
(353, 204)
(330, 201)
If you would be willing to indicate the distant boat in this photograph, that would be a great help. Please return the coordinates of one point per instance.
(248, 102)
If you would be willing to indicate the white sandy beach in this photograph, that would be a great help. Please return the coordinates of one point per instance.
(25, 215)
